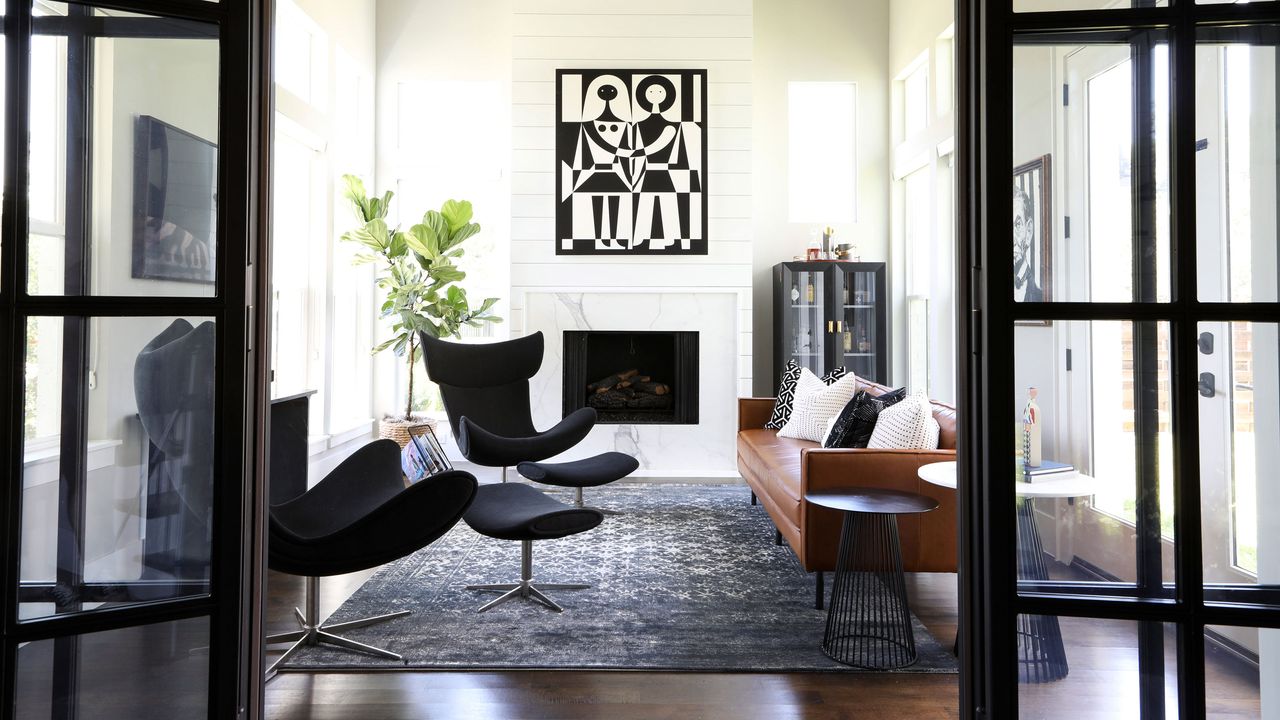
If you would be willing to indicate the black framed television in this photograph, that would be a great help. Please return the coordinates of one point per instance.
(174, 203)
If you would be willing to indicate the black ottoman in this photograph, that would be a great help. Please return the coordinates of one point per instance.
(589, 472)
(520, 512)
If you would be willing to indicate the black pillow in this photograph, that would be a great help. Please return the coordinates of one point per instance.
(857, 420)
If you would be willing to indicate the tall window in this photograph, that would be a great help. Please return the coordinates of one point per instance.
(324, 311)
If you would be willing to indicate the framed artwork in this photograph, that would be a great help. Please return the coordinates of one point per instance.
(175, 180)
(631, 159)
(423, 457)
(1032, 231)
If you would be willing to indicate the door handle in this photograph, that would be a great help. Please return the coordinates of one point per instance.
(1205, 343)
(1208, 385)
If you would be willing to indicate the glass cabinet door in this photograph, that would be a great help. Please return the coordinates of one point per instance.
(803, 317)
(858, 325)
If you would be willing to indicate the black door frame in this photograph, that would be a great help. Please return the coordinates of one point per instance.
(991, 596)
(232, 601)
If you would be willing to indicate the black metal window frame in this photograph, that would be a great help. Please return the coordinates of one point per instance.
(991, 595)
(231, 599)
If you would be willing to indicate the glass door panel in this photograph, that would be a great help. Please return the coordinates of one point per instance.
(859, 328)
(122, 515)
(804, 317)
(149, 672)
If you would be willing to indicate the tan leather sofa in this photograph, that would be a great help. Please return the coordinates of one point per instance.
(781, 470)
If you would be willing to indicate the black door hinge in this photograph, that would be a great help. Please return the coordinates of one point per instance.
(1068, 359)
(1066, 94)
(1066, 226)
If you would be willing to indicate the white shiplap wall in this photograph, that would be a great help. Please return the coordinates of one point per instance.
(619, 34)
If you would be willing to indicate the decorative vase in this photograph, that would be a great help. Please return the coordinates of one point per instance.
(400, 430)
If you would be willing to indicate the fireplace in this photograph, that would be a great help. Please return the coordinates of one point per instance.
(632, 377)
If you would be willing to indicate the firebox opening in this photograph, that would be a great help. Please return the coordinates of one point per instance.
(632, 377)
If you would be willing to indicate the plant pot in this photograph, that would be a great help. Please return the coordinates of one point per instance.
(400, 430)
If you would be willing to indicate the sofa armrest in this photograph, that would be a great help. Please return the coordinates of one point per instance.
(753, 413)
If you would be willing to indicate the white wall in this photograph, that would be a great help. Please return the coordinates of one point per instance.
(715, 36)
(814, 40)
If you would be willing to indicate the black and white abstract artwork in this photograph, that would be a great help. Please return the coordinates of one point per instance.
(631, 158)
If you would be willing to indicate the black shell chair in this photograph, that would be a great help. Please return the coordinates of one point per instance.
(360, 516)
(485, 389)
(174, 389)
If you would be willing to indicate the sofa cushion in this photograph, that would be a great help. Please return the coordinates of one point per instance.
(816, 402)
(787, 392)
(853, 426)
(907, 425)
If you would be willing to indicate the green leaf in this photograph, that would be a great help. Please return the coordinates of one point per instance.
(373, 235)
(424, 240)
(353, 189)
(456, 213)
(462, 233)
(383, 346)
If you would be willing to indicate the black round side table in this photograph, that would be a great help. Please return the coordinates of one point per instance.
(868, 620)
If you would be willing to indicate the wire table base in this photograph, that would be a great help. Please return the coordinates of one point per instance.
(869, 621)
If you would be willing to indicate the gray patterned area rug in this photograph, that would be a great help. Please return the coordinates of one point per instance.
(688, 578)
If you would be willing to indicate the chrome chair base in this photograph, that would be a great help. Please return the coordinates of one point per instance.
(314, 633)
(525, 588)
(577, 501)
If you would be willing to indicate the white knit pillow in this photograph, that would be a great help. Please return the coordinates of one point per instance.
(817, 402)
(907, 425)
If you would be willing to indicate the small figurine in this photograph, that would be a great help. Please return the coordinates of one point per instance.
(1031, 422)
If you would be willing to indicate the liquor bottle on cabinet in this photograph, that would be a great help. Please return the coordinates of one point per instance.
(839, 318)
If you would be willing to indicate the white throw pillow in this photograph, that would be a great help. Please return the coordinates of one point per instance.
(817, 402)
(908, 425)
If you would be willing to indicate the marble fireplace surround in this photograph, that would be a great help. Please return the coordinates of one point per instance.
(705, 450)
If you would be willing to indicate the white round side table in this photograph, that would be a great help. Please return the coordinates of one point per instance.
(1042, 657)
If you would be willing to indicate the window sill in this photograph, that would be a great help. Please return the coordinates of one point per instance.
(40, 464)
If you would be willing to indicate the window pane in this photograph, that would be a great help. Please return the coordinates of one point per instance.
(1238, 663)
(1239, 439)
(143, 220)
(1236, 172)
(1105, 414)
(1090, 224)
(1088, 668)
(125, 517)
(821, 161)
(152, 672)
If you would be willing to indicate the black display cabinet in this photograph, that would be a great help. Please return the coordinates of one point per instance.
(828, 314)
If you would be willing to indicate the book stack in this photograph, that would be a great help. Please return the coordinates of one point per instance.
(1047, 470)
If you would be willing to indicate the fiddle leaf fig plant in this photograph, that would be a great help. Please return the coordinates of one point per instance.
(416, 272)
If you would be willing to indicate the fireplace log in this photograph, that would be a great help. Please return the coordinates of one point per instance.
(607, 384)
(619, 400)
(651, 388)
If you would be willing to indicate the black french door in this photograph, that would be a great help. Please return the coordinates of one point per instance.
(1135, 148)
(130, 272)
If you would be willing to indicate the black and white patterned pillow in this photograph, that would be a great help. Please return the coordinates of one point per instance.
(787, 393)
(854, 424)
(816, 404)
(907, 425)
